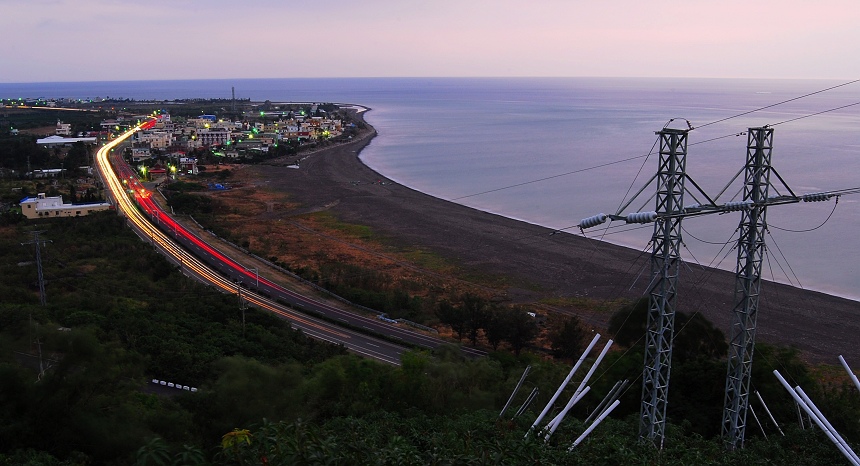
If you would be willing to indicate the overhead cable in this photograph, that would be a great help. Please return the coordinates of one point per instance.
(778, 103)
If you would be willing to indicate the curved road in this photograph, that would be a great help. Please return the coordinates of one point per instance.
(205, 263)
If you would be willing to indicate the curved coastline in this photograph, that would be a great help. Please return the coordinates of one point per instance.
(538, 265)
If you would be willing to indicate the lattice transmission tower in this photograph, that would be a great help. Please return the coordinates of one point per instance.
(751, 249)
(43, 299)
(759, 192)
(665, 262)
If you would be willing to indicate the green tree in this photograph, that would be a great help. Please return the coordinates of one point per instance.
(695, 336)
(627, 326)
(523, 329)
(497, 327)
(452, 317)
(155, 452)
(567, 340)
(476, 313)
(77, 156)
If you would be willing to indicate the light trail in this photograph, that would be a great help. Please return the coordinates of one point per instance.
(122, 181)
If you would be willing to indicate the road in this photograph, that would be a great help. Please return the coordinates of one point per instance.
(200, 260)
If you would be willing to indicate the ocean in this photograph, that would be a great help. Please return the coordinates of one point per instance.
(552, 151)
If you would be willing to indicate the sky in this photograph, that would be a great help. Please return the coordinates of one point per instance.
(106, 40)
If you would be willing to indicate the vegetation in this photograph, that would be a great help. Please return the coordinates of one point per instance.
(118, 315)
(75, 374)
(480, 438)
(74, 377)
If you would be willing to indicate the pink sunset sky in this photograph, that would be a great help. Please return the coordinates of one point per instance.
(95, 40)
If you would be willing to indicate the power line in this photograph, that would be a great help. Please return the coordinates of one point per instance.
(779, 250)
(715, 243)
(641, 167)
(816, 113)
(809, 229)
(551, 177)
(778, 103)
(742, 133)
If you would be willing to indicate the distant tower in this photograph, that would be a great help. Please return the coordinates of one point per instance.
(233, 107)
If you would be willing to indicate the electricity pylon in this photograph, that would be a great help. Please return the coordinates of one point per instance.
(751, 248)
(43, 300)
(759, 192)
(671, 178)
(665, 262)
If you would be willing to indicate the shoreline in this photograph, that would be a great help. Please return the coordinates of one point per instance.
(537, 266)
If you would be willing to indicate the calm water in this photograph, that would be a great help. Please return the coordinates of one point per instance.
(457, 138)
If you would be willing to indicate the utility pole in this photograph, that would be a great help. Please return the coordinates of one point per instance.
(243, 305)
(751, 247)
(37, 242)
(665, 262)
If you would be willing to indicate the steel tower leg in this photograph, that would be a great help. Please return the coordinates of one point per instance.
(43, 300)
(747, 285)
(665, 261)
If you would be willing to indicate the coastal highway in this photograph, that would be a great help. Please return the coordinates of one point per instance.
(200, 260)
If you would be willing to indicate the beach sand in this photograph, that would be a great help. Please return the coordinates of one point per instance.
(539, 266)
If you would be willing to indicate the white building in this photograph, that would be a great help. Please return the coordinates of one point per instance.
(156, 139)
(53, 141)
(63, 129)
(188, 165)
(213, 136)
(41, 207)
(140, 151)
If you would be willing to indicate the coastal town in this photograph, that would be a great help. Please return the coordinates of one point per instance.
(233, 138)
(174, 142)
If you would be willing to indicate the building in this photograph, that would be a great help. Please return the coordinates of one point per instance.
(188, 165)
(140, 151)
(41, 207)
(47, 173)
(110, 124)
(156, 139)
(213, 136)
(54, 141)
(64, 129)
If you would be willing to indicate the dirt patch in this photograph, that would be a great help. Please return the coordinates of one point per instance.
(40, 131)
